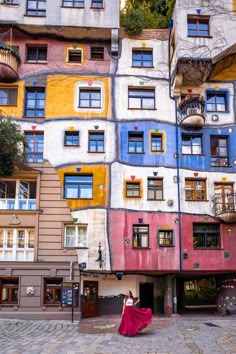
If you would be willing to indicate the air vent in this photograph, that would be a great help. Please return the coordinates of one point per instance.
(185, 255)
(226, 254)
(127, 241)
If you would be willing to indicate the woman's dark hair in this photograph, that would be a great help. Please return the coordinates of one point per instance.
(131, 295)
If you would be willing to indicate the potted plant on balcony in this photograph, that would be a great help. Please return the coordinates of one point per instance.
(12, 142)
(12, 50)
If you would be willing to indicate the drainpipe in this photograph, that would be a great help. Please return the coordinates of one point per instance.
(177, 157)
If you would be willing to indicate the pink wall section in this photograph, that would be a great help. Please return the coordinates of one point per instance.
(209, 259)
(124, 257)
(57, 56)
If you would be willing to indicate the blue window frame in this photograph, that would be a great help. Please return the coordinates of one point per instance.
(198, 27)
(34, 147)
(217, 101)
(35, 102)
(73, 3)
(36, 7)
(71, 138)
(96, 142)
(78, 186)
(142, 58)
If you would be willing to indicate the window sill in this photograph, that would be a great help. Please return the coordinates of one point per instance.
(42, 16)
(139, 197)
(69, 146)
(53, 305)
(97, 59)
(75, 248)
(142, 67)
(166, 246)
(141, 109)
(8, 105)
(193, 154)
(199, 36)
(155, 200)
(33, 117)
(218, 112)
(141, 248)
(96, 8)
(6, 4)
(72, 7)
(92, 108)
(95, 152)
(208, 248)
(135, 153)
(224, 166)
(35, 62)
(157, 151)
(197, 200)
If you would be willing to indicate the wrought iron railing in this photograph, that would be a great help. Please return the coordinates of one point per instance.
(191, 105)
(224, 203)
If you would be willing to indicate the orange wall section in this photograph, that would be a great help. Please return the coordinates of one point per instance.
(100, 185)
(60, 96)
(17, 110)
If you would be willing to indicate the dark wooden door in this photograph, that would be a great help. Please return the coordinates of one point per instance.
(146, 292)
(90, 299)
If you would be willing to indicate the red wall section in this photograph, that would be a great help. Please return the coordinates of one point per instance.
(209, 259)
(124, 257)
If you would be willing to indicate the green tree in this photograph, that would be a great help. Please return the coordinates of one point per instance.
(140, 14)
(12, 143)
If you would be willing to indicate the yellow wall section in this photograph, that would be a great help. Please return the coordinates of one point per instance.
(227, 74)
(61, 93)
(234, 5)
(138, 181)
(18, 110)
(100, 178)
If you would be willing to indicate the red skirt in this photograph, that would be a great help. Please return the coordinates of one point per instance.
(134, 320)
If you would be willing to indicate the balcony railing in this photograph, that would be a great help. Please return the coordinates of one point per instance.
(224, 207)
(17, 204)
(9, 62)
(191, 112)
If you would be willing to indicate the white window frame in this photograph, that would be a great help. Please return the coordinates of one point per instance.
(75, 241)
(13, 251)
(84, 85)
(21, 201)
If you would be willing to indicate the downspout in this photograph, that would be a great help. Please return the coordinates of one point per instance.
(177, 151)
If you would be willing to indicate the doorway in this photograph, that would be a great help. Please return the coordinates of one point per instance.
(146, 291)
(90, 299)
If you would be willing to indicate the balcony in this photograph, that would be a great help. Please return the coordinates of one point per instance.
(224, 207)
(191, 112)
(9, 61)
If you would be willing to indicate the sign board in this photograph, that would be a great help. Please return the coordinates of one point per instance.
(70, 290)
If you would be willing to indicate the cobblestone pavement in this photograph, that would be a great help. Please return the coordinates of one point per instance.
(175, 335)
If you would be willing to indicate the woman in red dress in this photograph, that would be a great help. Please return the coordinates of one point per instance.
(133, 318)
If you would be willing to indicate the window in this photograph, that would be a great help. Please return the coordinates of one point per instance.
(97, 53)
(76, 236)
(166, 238)
(98, 4)
(9, 289)
(156, 142)
(35, 102)
(135, 143)
(142, 58)
(8, 96)
(17, 244)
(191, 144)
(155, 189)
(18, 194)
(34, 147)
(198, 26)
(71, 138)
(74, 56)
(133, 189)
(36, 7)
(216, 101)
(36, 54)
(140, 236)
(79, 187)
(96, 142)
(141, 99)
(206, 235)
(89, 98)
(11, 2)
(195, 189)
(73, 3)
(219, 151)
(52, 291)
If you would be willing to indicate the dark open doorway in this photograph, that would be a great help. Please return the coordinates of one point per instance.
(146, 292)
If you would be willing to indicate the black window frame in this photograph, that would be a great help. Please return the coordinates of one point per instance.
(71, 138)
(142, 52)
(155, 188)
(37, 51)
(137, 235)
(79, 182)
(133, 189)
(141, 95)
(135, 142)
(96, 137)
(74, 56)
(37, 11)
(10, 2)
(219, 159)
(206, 235)
(11, 93)
(97, 4)
(97, 53)
(190, 138)
(36, 91)
(166, 238)
(197, 22)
